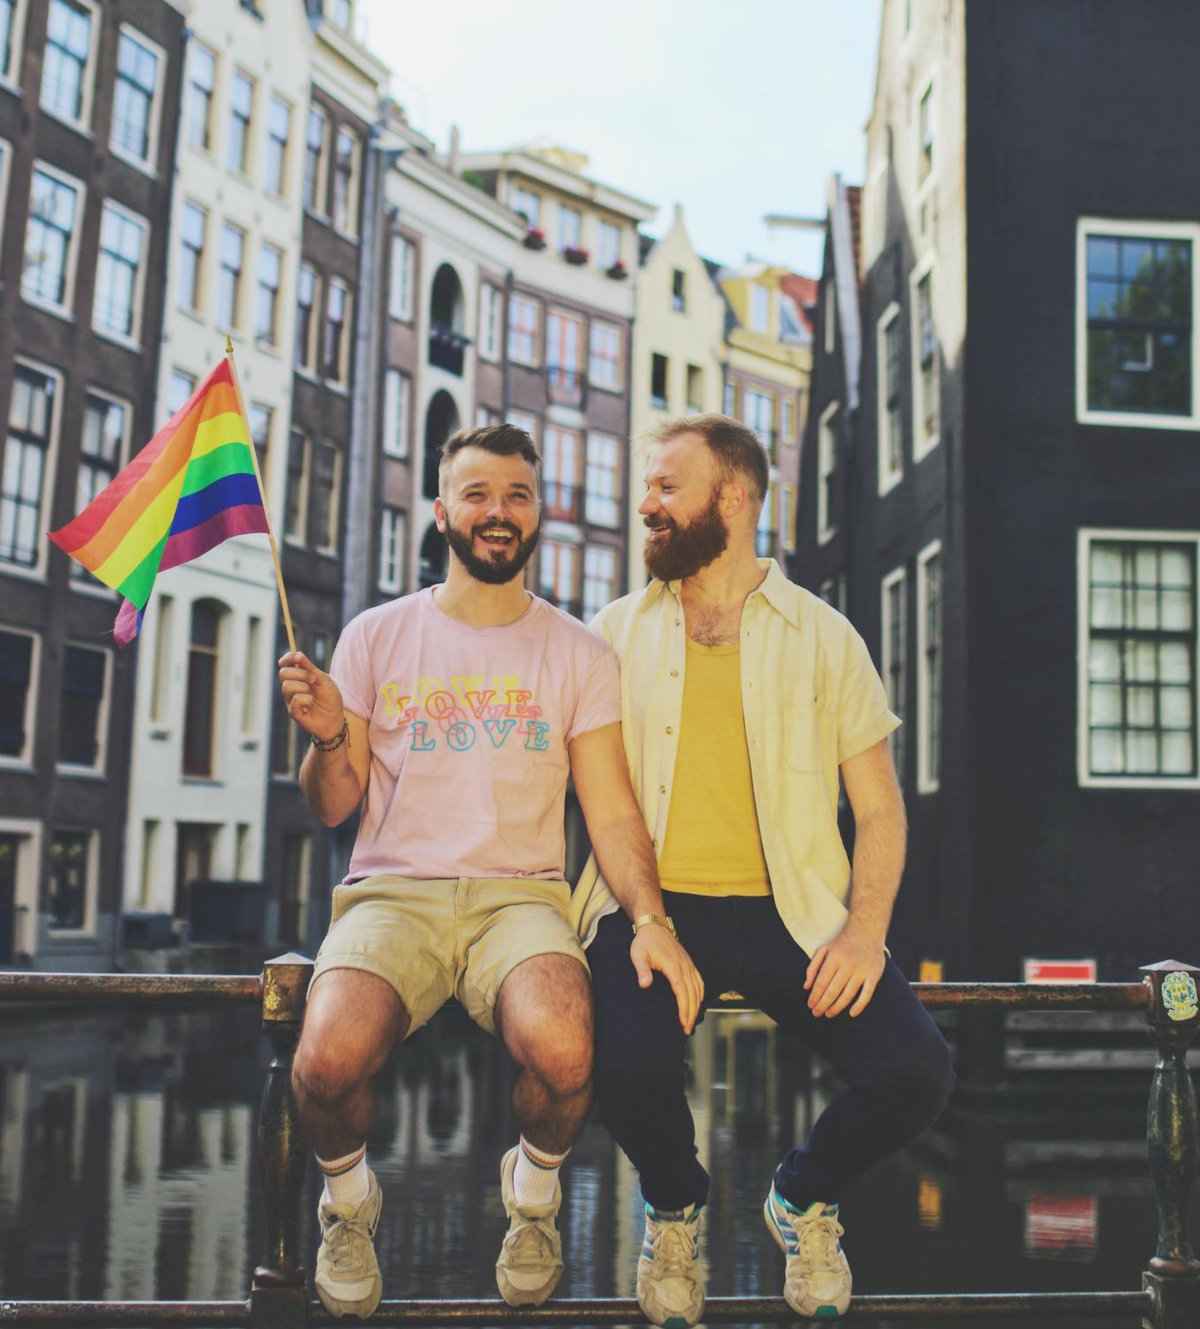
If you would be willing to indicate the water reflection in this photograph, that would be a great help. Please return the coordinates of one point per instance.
(126, 1169)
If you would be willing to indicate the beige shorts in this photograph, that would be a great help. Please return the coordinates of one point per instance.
(453, 937)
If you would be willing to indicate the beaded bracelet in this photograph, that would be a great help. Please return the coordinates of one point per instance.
(329, 744)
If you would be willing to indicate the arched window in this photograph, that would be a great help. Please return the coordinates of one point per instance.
(200, 710)
(441, 420)
(447, 321)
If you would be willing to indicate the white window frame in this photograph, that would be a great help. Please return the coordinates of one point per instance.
(65, 309)
(341, 378)
(515, 300)
(397, 412)
(1086, 779)
(759, 292)
(517, 193)
(335, 495)
(595, 502)
(99, 770)
(927, 86)
(316, 208)
(395, 540)
(86, 584)
(270, 339)
(491, 305)
(400, 292)
(285, 163)
(787, 517)
(146, 163)
(607, 256)
(88, 87)
(239, 289)
(1157, 230)
(91, 885)
(38, 571)
(346, 223)
(888, 478)
(826, 466)
(922, 446)
(897, 704)
(245, 167)
(592, 554)
(16, 44)
(210, 126)
(23, 761)
(926, 782)
(603, 327)
(134, 339)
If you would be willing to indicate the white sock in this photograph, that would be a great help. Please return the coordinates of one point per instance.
(346, 1179)
(536, 1174)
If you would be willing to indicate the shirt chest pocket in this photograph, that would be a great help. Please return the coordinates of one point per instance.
(809, 734)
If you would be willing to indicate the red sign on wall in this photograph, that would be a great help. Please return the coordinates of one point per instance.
(1060, 971)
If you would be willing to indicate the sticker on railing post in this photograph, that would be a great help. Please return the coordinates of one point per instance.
(1179, 996)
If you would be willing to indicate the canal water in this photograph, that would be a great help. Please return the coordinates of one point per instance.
(127, 1168)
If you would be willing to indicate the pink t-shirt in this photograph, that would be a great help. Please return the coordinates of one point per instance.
(468, 729)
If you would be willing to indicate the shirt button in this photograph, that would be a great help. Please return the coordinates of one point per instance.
(674, 673)
(670, 730)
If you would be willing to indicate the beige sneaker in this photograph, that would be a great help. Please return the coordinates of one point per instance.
(671, 1276)
(817, 1282)
(348, 1279)
(530, 1262)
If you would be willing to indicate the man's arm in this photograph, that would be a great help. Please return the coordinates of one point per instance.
(626, 857)
(849, 967)
(333, 782)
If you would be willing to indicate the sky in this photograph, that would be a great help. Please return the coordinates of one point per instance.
(732, 109)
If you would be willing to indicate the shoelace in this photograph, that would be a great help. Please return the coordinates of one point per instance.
(344, 1254)
(674, 1248)
(532, 1243)
(818, 1240)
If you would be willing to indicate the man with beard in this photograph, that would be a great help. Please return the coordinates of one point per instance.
(457, 713)
(744, 698)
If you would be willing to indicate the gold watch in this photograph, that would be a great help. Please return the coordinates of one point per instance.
(662, 920)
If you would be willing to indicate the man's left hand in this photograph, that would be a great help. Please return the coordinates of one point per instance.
(845, 970)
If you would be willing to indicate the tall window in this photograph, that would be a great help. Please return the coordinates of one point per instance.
(17, 659)
(558, 575)
(826, 474)
(695, 389)
(925, 131)
(608, 244)
(599, 579)
(336, 342)
(202, 82)
(23, 479)
(1139, 689)
(895, 656)
(81, 716)
(523, 318)
(605, 361)
(925, 366)
(260, 419)
(315, 141)
(527, 204)
(678, 290)
(564, 357)
(200, 711)
(279, 128)
(323, 497)
(729, 398)
(1136, 334)
(133, 98)
(891, 421)
(491, 304)
(295, 509)
(307, 298)
(66, 58)
(658, 381)
(400, 304)
(119, 272)
(105, 428)
(929, 668)
(787, 418)
(392, 538)
(603, 480)
(270, 274)
(241, 112)
(229, 276)
(397, 405)
(764, 535)
(50, 238)
(193, 226)
(560, 473)
(758, 410)
(760, 308)
(570, 228)
(345, 181)
(8, 37)
(180, 387)
(69, 869)
(160, 676)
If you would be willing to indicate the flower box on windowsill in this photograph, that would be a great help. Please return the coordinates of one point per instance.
(534, 239)
(618, 271)
(575, 256)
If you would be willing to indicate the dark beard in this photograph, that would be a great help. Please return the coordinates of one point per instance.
(689, 548)
(493, 572)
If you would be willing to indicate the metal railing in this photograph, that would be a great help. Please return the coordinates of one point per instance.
(1169, 1297)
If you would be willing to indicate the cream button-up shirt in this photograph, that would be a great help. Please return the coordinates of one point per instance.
(811, 699)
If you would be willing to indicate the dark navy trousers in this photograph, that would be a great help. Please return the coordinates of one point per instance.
(892, 1058)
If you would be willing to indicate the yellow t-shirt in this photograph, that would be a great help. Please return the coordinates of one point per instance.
(712, 845)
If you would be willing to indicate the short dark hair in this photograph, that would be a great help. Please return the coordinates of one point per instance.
(735, 447)
(503, 440)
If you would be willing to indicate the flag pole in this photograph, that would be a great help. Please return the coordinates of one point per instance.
(283, 600)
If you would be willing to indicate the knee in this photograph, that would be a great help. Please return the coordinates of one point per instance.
(328, 1073)
(922, 1085)
(564, 1063)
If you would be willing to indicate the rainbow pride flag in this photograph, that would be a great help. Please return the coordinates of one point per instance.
(192, 486)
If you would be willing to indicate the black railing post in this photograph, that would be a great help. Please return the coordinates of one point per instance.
(278, 1299)
(1173, 1275)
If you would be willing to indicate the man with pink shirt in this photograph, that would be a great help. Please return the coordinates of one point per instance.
(453, 717)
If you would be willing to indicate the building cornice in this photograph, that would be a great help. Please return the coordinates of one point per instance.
(532, 167)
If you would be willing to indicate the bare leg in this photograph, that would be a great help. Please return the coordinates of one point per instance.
(350, 1025)
(544, 1018)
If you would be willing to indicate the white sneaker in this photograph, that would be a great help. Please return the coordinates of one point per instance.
(671, 1276)
(817, 1282)
(347, 1278)
(530, 1262)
